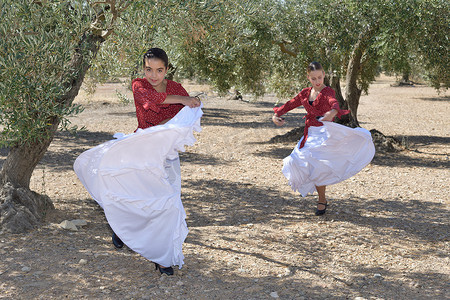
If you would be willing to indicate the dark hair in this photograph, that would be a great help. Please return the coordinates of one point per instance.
(158, 54)
(314, 66)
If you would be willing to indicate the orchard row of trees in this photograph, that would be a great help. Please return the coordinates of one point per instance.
(48, 48)
(260, 46)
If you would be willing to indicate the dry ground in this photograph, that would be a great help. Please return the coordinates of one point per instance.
(385, 235)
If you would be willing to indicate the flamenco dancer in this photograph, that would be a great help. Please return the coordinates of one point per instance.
(136, 178)
(327, 153)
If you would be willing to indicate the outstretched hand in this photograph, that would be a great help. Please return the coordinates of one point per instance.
(278, 120)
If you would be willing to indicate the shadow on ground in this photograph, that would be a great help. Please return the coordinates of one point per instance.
(444, 98)
(225, 203)
(235, 118)
(402, 159)
(368, 223)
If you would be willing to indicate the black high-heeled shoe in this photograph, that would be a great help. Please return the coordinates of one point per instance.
(168, 270)
(117, 241)
(320, 212)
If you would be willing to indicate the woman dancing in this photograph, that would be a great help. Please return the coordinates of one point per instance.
(327, 153)
(136, 178)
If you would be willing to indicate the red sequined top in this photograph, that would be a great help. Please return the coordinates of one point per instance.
(149, 108)
(324, 102)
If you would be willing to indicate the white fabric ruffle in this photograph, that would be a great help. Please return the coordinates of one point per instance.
(136, 180)
(332, 153)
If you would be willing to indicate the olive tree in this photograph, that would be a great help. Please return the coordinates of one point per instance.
(46, 48)
(431, 42)
(266, 45)
(354, 38)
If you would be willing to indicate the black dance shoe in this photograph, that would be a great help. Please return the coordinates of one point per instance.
(168, 270)
(320, 212)
(117, 241)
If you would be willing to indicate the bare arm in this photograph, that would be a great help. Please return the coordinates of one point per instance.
(185, 100)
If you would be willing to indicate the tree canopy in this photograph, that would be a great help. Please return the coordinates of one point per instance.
(222, 39)
(265, 45)
(37, 45)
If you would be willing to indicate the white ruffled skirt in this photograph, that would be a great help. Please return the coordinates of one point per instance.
(332, 153)
(136, 180)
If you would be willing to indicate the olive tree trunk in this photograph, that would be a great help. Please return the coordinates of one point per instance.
(335, 83)
(352, 91)
(354, 70)
(20, 208)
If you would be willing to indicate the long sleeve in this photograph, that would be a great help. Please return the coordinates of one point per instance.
(291, 104)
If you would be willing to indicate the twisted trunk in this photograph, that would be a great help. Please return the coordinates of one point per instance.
(335, 83)
(352, 89)
(22, 159)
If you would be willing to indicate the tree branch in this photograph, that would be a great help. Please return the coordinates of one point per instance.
(115, 8)
(283, 48)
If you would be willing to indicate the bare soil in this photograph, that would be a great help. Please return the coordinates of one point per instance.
(385, 234)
